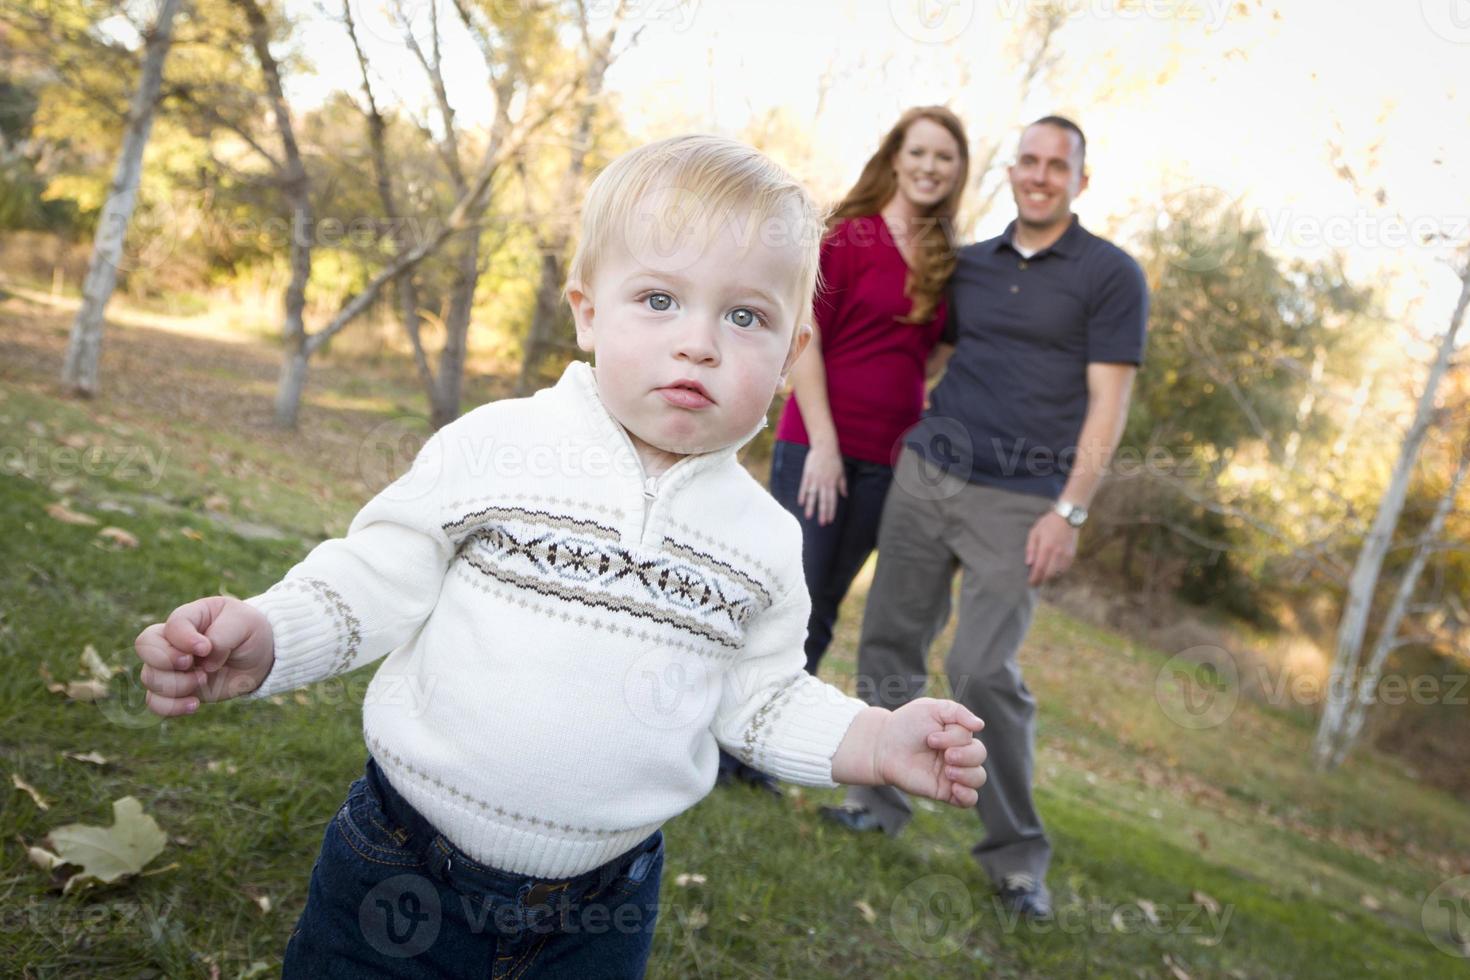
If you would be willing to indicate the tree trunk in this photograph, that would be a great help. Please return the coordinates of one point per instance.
(449, 383)
(548, 312)
(292, 381)
(1387, 638)
(1364, 580)
(544, 320)
(84, 349)
(297, 188)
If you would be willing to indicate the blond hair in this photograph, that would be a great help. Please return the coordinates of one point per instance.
(700, 184)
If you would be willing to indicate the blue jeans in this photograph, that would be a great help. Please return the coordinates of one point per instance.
(391, 897)
(833, 554)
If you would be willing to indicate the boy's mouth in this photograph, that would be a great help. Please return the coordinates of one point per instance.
(686, 393)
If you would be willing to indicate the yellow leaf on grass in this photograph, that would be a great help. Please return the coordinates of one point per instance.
(191, 534)
(94, 664)
(106, 854)
(123, 538)
(96, 758)
(65, 515)
(44, 859)
(1205, 901)
(87, 691)
(867, 910)
(30, 791)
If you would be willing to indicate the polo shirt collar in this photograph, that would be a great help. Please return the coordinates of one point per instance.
(1067, 245)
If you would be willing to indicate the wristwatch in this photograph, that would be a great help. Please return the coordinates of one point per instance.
(1071, 513)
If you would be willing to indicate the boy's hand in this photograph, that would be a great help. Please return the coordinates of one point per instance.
(928, 747)
(211, 649)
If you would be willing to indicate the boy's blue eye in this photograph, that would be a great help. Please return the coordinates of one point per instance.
(746, 317)
(660, 301)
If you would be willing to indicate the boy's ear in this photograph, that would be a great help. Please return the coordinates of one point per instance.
(582, 312)
(802, 337)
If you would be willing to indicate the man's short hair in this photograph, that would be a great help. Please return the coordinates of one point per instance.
(1062, 122)
(704, 185)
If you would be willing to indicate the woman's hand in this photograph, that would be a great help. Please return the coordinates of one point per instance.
(823, 477)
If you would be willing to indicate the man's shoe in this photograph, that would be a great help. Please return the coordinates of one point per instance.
(1023, 894)
(756, 779)
(850, 816)
(734, 771)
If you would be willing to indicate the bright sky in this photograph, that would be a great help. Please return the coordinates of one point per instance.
(1174, 94)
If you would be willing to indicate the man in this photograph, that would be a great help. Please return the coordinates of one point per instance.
(1048, 322)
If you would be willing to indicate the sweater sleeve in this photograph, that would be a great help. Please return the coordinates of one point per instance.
(773, 714)
(356, 598)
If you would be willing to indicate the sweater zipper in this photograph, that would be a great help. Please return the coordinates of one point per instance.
(650, 491)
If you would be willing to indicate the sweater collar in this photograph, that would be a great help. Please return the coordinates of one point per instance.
(579, 382)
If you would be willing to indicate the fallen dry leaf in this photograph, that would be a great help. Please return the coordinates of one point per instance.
(106, 854)
(94, 664)
(44, 859)
(686, 879)
(30, 791)
(1370, 903)
(96, 758)
(191, 534)
(88, 691)
(1205, 901)
(1175, 970)
(218, 503)
(123, 538)
(867, 911)
(65, 515)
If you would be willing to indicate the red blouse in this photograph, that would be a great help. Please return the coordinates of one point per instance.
(875, 365)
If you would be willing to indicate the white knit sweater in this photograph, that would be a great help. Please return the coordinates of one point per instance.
(567, 640)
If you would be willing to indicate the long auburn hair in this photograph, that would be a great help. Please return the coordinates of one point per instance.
(934, 256)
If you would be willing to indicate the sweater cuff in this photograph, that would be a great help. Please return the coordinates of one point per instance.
(308, 631)
(806, 722)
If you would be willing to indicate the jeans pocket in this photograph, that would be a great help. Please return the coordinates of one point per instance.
(648, 862)
(370, 832)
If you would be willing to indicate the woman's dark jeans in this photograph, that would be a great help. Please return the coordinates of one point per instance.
(833, 554)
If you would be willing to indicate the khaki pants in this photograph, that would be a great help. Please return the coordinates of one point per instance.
(932, 524)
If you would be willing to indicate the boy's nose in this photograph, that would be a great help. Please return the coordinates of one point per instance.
(697, 344)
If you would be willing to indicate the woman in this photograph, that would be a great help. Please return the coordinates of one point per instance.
(886, 259)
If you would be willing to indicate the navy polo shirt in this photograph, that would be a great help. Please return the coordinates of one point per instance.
(1010, 406)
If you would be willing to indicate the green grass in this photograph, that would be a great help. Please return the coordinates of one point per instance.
(1318, 875)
